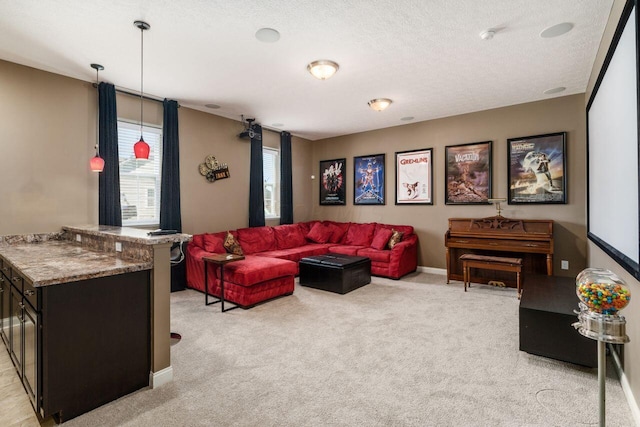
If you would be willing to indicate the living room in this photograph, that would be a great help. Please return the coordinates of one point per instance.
(50, 126)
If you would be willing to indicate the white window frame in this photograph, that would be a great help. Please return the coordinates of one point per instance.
(275, 186)
(125, 154)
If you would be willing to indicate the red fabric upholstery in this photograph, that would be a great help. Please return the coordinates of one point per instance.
(289, 236)
(375, 254)
(345, 249)
(256, 269)
(306, 226)
(256, 239)
(214, 243)
(360, 234)
(339, 230)
(381, 238)
(406, 229)
(295, 254)
(198, 240)
(249, 296)
(320, 233)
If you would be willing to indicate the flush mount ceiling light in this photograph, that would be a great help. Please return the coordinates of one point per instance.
(267, 35)
(322, 69)
(556, 30)
(97, 162)
(379, 104)
(141, 148)
(488, 34)
(407, 118)
(212, 106)
(554, 90)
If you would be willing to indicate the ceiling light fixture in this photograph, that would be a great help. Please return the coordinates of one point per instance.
(488, 34)
(212, 106)
(556, 30)
(141, 148)
(322, 69)
(97, 162)
(379, 104)
(407, 118)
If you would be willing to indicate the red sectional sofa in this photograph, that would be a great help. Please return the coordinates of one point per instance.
(272, 255)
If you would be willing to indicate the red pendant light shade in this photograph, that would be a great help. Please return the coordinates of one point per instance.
(141, 149)
(97, 163)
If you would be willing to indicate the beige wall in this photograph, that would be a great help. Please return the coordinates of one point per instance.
(430, 222)
(597, 258)
(47, 136)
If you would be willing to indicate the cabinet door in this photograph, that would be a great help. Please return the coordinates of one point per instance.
(30, 366)
(15, 337)
(5, 296)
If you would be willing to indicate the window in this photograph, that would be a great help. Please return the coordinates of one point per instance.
(271, 176)
(139, 179)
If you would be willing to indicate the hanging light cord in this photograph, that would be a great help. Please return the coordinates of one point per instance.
(98, 115)
(141, 78)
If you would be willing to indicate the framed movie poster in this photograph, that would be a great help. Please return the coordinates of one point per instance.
(468, 174)
(537, 169)
(332, 184)
(414, 177)
(368, 180)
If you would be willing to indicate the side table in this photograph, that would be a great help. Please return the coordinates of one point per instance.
(220, 260)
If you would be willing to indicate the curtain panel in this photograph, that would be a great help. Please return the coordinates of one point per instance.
(286, 180)
(256, 188)
(109, 211)
(170, 215)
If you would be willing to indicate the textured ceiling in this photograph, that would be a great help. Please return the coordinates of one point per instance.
(426, 56)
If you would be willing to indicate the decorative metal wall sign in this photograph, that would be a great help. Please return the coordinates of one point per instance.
(212, 170)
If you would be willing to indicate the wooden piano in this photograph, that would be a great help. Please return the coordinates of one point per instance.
(529, 239)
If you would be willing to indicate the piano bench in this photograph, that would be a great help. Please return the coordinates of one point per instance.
(486, 262)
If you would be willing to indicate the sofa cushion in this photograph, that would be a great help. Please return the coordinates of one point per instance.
(198, 240)
(320, 233)
(306, 226)
(396, 237)
(345, 249)
(406, 229)
(375, 255)
(256, 269)
(360, 234)
(339, 230)
(256, 239)
(231, 245)
(381, 238)
(288, 236)
(214, 243)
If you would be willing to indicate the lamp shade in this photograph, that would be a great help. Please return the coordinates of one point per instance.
(322, 69)
(141, 149)
(97, 163)
(379, 104)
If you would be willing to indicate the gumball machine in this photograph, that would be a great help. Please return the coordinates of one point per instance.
(602, 295)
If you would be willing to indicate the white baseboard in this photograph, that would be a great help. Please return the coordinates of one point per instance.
(432, 270)
(164, 376)
(626, 387)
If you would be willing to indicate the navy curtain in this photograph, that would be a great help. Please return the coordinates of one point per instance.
(286, 182)
(170, 218)
(256, 188)
(109, 212)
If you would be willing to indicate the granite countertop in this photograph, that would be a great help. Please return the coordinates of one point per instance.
(128, 234)
(53, 262)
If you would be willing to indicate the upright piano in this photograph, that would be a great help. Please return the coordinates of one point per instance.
(529, 239)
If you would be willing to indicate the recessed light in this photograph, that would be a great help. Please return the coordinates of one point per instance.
(267, 35)
(556, 30)
(212, 106)
(277, 125)
(554, 90)
(408, 118)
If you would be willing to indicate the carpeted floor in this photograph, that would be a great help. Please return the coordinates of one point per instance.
(415, 352)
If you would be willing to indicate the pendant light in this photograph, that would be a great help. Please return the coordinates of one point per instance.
(141, 148)
(97, 162)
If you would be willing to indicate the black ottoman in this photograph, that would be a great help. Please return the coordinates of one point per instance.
(546, 315)
(335, 273)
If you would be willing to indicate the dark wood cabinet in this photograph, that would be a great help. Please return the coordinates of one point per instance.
(77, 345)
(529, 239)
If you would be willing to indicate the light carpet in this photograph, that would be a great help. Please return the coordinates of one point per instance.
(415, 352)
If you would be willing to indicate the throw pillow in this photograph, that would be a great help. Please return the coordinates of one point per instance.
(381, 239)
(319, 233)
(232, 246)
(396, 237)
(214, 243)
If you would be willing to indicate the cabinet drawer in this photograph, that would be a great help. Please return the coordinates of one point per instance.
(32, 295)
(16, 280)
